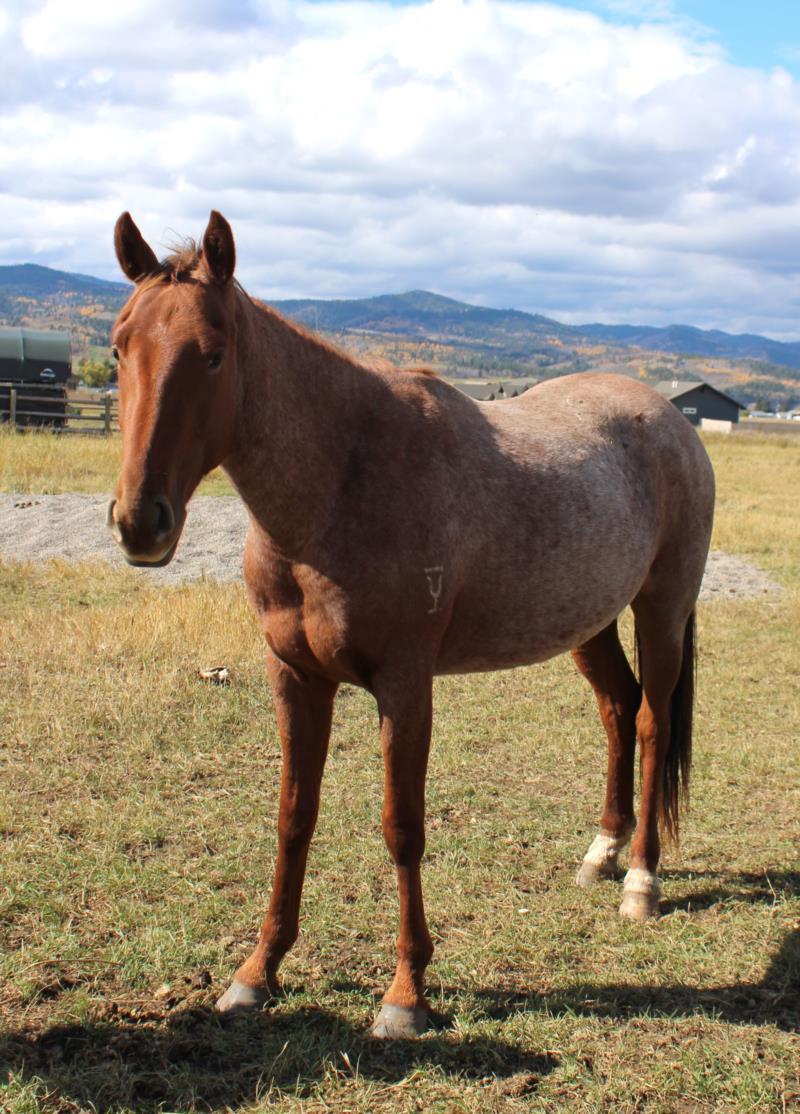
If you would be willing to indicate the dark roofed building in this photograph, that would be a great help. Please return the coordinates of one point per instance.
(35, 365)
(481, 392)
(34, 356)
(700, 400)
(493, 389)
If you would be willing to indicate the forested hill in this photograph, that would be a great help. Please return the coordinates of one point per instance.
(699, 342)
(420, 313)
(453, 337)
(31, 280)
(43, 298)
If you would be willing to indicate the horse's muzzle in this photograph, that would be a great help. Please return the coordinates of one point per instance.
(149, 536)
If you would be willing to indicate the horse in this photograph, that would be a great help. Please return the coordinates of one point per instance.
(398, 530)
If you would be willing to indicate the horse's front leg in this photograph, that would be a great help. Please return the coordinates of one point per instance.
(405, 711)
(304, 709)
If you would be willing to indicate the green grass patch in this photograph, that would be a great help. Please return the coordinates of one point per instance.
(138, 825)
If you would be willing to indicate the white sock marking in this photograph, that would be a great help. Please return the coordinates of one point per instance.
(640, 881)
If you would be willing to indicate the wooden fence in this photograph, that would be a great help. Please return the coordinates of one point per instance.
(27, 405)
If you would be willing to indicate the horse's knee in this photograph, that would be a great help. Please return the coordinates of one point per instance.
(296, 827)
(646, 726)
(405, 840)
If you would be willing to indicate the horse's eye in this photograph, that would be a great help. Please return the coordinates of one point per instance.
(215, 361)
(115, 353)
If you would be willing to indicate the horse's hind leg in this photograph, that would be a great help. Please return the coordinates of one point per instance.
(664, 729)
(603, 663)
(304, 710)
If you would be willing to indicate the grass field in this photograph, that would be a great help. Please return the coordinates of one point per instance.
(33, 463)
(137, 824)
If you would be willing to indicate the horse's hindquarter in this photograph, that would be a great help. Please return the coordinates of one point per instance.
(588, 470)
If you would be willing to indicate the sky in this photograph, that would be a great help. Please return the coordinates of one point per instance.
(613, 160)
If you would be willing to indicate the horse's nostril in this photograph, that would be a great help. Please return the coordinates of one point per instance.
(166, 518)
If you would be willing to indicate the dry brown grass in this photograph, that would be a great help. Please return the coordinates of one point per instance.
(44, 462)
(138, 833)
(758, 499)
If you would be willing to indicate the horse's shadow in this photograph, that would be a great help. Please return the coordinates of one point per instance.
(197, 1061)
(747, 887)
(774, 1000)
(145, 1064)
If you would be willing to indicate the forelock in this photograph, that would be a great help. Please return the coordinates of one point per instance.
(181, 265)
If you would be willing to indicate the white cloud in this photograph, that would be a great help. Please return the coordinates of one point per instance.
(518, 153)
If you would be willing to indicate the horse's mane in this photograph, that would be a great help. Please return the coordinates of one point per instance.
(372, 363)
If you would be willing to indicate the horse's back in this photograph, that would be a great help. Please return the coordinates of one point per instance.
(616, 435)
(578, 409)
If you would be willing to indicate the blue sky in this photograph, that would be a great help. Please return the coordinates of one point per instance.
(752, 34)
(612, 160)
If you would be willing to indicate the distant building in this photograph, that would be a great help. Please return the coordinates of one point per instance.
(34, 368)
(491, 391)
(34, 356)
(700, 400)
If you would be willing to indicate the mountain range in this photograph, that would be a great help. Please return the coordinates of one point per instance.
(420, 313)
(452, 336)
(33, 280)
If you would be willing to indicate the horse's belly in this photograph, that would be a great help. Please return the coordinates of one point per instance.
(501, 625)
(506, 646)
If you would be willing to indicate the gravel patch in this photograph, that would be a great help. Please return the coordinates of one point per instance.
(728, 577)
(72, 527)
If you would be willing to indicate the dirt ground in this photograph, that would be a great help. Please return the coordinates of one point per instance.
(72, 528)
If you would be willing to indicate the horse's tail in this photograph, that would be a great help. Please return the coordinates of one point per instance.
(678, 762)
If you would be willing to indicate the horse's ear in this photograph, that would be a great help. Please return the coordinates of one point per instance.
(136, 258)
(219, 251)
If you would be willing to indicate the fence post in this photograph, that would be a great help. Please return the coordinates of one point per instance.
(107, 416)
(12, 408)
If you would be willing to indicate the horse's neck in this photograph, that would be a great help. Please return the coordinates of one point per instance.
(300, 405)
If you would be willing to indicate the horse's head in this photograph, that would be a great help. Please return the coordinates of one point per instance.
(175, 340)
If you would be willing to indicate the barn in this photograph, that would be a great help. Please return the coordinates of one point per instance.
(698, 400)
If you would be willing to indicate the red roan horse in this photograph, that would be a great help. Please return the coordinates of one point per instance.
(399, 530)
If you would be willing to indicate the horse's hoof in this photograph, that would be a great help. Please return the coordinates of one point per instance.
(239, 998)
(398, 1023)
(640, 907)
(590, 873)
(640, 895)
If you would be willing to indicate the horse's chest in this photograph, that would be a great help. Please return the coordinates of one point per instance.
(305, 626)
